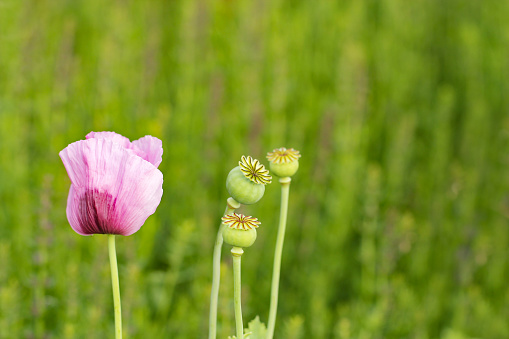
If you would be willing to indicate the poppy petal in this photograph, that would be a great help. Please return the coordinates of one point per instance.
(115, 137)
(152, 149)
(113, 191)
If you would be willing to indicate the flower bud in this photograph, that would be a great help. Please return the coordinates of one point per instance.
(246, 182)
(240, 230)
(284, 162)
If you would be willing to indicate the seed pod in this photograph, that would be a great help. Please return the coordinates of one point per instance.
(240, 230)
(284, 162)
(246, 182)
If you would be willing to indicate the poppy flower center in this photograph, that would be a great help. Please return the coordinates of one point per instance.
(95, 209)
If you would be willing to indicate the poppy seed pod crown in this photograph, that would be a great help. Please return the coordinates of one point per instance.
(246, 182)
(240, 230)
(284, 162)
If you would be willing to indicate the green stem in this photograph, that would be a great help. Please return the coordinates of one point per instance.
(115, 286)
(285, 190)
(231, 206)
(237, 253)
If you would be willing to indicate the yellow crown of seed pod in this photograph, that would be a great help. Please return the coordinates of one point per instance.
(240, 230)
(246, 182)
(284, 162)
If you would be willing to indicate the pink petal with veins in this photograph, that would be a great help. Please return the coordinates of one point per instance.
(115, 137)
(151, 147)
(113, 191)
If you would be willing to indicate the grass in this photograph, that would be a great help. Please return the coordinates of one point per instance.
(398, 215)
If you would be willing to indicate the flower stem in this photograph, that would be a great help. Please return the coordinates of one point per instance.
(231, 206)
(115, 286)
(237, 253)
(285, 190)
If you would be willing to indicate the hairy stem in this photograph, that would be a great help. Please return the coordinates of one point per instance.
(115, 286)
(231, 206)
(237, 253)
(285, 190)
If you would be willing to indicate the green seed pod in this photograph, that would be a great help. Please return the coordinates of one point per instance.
(239, 238)
(240, 230)
(284, 162)
(246, 182)
(284, 170)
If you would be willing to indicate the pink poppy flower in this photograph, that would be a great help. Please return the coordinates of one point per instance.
(115, 184)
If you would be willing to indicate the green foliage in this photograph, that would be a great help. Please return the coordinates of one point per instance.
(257, 329)
(294, 328)
(398, 215)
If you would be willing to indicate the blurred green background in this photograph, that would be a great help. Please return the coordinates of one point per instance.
(398, 221)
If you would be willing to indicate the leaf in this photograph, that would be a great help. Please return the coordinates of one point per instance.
(257, 328)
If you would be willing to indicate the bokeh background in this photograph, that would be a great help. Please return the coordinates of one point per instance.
(398, 220)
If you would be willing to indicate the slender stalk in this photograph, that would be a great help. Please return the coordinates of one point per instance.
(115, 286)
(237, 253)
(231, 206)
(285, 190)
